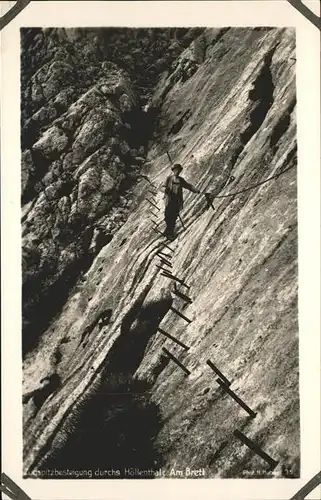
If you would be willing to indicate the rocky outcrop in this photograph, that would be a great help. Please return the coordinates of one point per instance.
(84, 138)
(228, 115)
(81, 161)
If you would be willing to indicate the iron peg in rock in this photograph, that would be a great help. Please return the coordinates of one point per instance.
(173, 338)
(165, 262)
(167, 246)
(165, 255)
(182, 295)
(236, 398)
(157, 231)
(218, 372)
(176, 311)
(162, 268)
(256, 448)
(153, 204)
(175, 278)
(172, 357)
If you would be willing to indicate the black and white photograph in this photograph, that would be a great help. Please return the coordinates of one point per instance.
(159, 253)
(160, 246)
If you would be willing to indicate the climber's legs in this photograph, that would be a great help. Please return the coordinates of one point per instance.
(171, 214)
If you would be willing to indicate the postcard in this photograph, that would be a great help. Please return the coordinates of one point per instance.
(161, 250)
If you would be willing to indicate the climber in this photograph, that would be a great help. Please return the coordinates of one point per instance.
(173, 186)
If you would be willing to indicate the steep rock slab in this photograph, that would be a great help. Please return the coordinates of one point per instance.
(84, 137)
(82, 159)
(239, 262)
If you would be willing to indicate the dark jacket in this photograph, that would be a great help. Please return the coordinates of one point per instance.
(174, 189)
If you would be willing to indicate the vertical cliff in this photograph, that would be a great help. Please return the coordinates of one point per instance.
(99, 390)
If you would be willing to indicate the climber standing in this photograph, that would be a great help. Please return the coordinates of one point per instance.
(173, 188)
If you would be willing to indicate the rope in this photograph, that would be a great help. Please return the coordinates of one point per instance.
(248, 188)
(254, 185)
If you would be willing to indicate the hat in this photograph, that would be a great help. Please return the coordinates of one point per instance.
(177, 166)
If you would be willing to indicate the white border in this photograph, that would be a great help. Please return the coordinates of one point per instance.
(191, 13)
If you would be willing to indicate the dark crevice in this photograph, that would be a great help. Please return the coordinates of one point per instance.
(179, 123)
(102, 240)
(218, 452)
(160, 366)
(43, 298)
(102, 320)
(30, 133)
(142, 126)
(219, 36)
(40, 306)
(41, 166)
(261, 96)
(116, 424)
(43, 294)
(138, 326)
(281, 127)
(49, 385)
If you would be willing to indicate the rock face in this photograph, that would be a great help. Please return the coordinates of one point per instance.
(99, 391)
(84, 136)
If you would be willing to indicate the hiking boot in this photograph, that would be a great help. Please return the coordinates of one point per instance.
(170, 235)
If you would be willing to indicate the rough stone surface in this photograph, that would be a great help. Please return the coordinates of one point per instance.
(231, 112)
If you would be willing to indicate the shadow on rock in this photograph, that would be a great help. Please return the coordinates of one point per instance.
(116, 430)
(116, 423)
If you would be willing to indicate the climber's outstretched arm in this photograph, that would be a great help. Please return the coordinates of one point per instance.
(190, 187)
